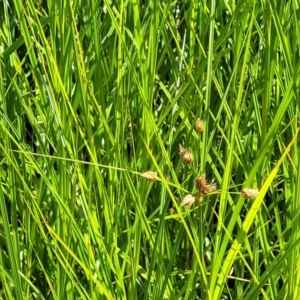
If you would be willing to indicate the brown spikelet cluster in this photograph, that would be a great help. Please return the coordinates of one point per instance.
(171, 211)
(185, 155)
(199, 126)
(203, 188)
(249, 193)
(149, 175)
(188, 200)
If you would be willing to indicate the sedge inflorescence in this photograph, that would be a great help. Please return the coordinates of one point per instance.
(199, 126)
(188, 200)
(149, 175)
(185, 155)
(249, 193)
(203, 187)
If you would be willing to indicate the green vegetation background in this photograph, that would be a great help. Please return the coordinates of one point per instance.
(94, 93)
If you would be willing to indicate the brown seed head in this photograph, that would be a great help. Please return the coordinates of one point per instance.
(172, 211)
(200, 182)
(203, 188)
(185, 155)
(188, 200)
(199, 126)
(149, 175)
(209, 188)
(248, 193)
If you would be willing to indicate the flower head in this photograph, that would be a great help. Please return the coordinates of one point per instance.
(149, 175)
(203, 188)
(171, 211)
(249, 193)
(199, 126)
(188, 200)
(185, 155)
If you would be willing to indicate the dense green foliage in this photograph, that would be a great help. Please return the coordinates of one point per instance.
(93, 94)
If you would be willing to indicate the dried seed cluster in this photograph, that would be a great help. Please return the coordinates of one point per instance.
(185, 155)
(188, 200)
(249, 193)
(149, 175)
(199, 126)
(204, 188)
